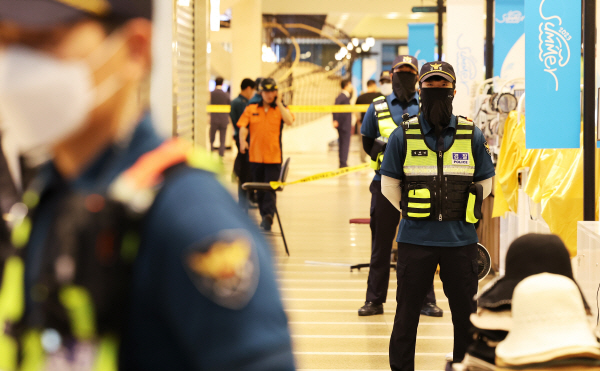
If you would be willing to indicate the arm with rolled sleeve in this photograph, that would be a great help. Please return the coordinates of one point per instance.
(243, 123)
(392, 170)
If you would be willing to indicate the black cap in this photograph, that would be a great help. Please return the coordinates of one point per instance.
(406, 60)
(385, 76)
(527, 255)
(440, 68)
(49, 13)
(268, 84)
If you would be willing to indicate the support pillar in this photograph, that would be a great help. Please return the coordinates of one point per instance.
(589, 108)
(246, 35)
(202, 68)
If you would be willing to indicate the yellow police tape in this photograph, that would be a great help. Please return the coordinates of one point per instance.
(325, 175)
(219, 108)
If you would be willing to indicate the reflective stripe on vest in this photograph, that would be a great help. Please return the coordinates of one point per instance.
(458, 159)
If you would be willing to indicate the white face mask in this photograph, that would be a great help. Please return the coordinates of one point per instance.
(44, 100)
(386, 89)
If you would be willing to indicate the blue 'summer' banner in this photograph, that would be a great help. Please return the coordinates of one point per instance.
(421, 42)
(552, 73)
(509, 27)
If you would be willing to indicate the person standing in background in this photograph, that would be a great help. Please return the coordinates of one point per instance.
(376, 129)
(367, 97)
(242, 164)
(343, 122)
(264, 121)
(219, 121)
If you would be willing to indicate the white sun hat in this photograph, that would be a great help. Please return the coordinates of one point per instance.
(548, 322)
(492, 320)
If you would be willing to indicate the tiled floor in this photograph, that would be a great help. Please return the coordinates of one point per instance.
(321, 296)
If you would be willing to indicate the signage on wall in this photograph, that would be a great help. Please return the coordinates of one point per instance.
(509, 49)
(553, 73)
(421, 42)
(464, 50)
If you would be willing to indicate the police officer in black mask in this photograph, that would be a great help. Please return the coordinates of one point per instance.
(381, 119)
(437, 170)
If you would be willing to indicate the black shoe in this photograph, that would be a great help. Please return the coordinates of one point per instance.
(432, 310)
(370, 309)
(267, 222)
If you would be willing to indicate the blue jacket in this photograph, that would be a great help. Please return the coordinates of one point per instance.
(178, 319)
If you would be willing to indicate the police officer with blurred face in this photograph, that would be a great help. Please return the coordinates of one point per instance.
(437, 170)
(126, 251)
(381, 119)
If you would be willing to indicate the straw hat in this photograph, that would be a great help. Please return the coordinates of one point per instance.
(548, 322)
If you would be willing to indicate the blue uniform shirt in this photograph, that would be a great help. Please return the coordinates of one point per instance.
(176, 321)
(257, 98)
(370, 125)
(430, 232)
(238, 105)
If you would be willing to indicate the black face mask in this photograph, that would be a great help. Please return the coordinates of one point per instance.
(436, 105)
(403, 84)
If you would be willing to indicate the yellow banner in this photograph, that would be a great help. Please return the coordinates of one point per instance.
(215, 108)
(325, 175)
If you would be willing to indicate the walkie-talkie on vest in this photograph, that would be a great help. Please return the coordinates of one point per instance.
(405, 118)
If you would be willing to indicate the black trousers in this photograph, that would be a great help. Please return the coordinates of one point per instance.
(384, 221)
(265, 173)
(345, 133)
(242, 170)
(416, 269)
(222, 129)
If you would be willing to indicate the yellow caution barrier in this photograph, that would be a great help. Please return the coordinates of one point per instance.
(341, 108)
(325, 175)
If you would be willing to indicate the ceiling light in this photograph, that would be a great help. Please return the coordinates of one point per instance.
(350, 46)
(208, 47)
(370, 41)
(392, 15)
(183, 2)
(416, 15)
(355, 41)
(358, 50)
(365, 47)
(349, 56)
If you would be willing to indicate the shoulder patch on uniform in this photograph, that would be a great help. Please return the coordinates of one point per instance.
(466, 118)
(224, 268)
(487, 148)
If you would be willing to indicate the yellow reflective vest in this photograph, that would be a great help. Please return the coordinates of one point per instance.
(437, 185)
(386, 125)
